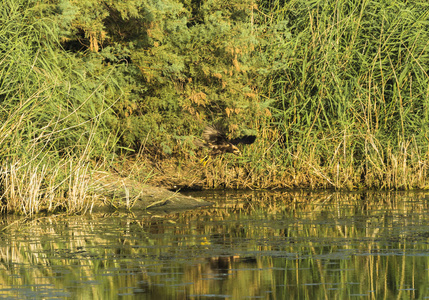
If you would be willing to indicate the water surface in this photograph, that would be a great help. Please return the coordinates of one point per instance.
(253, 245)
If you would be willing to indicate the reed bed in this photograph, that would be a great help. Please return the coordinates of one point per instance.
(350, 93)
(30, 188)
(48, 123)
(337, 93)
(343, 103)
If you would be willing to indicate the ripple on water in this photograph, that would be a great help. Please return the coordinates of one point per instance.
(251, 245)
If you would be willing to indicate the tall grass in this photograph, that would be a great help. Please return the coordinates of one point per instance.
(48, 117)
(338, 92)
(344, 99)
(351, 92)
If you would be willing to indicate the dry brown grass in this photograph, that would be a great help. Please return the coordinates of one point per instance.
(29, 188)
(332, 162)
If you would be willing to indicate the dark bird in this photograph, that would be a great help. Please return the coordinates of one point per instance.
(216, 140)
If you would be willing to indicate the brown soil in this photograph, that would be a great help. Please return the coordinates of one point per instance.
(116, 192)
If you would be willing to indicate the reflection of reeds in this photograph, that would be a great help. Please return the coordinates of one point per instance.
(286, 243)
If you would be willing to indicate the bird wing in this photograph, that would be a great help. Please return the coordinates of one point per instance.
(246, 140)
(213, 135)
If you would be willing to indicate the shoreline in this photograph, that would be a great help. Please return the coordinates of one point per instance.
(114, 192)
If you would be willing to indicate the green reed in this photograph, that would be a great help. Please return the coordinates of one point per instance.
(350, 92)
(337, 92)
(47, 133)
(343, 98)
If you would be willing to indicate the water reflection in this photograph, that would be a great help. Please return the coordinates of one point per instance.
(269, 245)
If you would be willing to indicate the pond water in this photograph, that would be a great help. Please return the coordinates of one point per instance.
(252, 245)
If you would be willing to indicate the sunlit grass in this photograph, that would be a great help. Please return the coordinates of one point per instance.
(51, 128)
(350, 100)
(339, 100)
(346, 91)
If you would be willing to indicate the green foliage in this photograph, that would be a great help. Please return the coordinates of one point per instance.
(63, 97)
(331, 86)
(342, 55)
(56, 109)
(352, 73)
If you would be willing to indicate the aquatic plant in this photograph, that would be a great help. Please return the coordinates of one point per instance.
(52, 124)
(344, 88)
(335, 91)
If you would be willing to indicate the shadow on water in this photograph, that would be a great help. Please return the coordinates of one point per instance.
(264, 245)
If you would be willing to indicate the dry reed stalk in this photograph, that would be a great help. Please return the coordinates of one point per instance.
(77, 197)
(28, 189)
(23, 188)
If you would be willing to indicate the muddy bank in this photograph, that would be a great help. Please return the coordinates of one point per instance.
(115, 192)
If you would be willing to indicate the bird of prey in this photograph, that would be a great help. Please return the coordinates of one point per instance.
(216, 140)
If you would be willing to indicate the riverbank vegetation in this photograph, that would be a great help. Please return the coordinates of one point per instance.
(336, 91)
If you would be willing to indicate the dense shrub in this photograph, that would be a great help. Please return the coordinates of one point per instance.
(337, 91)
